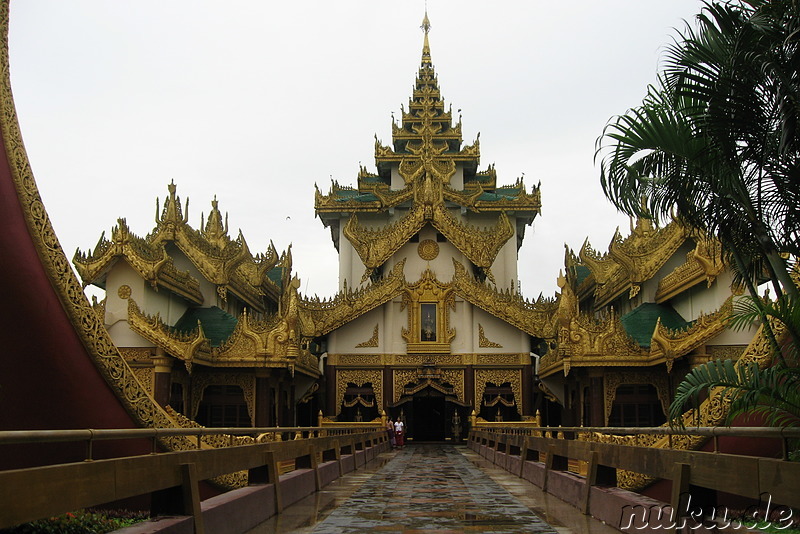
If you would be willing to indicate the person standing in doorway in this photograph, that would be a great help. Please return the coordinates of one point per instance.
(390, 431)
(399, 433)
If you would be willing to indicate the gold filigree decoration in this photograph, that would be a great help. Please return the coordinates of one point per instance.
(124, 291)
(145, 376)
(671, 344)
(483, 342)
(428, 249)
(401, 377)
(428, 290)
(358, 359)
(426, 152)
(632, 260)
(323, 316)
(359, 377)
(225, 262)
(711, 412)
(532, 317)
(274, 343)
(498, 377)
(588, 341)
(371, 342)
(703, 263)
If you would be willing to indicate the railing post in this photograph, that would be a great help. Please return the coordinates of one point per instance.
(337, 447)
(680, 494)
(191, 496)
(274, 478)
(523, 456)
(312, 451)
(591, 480)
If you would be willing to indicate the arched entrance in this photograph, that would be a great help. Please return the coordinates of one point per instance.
(431, 411)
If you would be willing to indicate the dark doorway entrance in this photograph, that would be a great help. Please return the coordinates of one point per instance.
(429, 416)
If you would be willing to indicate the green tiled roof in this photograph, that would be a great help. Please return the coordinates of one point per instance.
(218, 325)
(500, 194)
(344, 195)
(581, 273)
(641, 322)
(276, 276)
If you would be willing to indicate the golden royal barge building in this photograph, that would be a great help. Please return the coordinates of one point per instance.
(428, 324)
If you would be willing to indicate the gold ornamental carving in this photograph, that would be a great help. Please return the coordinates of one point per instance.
(428, 303)
(403, 377)
(360, 377)
(632, 260)
(371, 342)
(426, 152)
(498, 377)
(359, 359)
(483, 342)
(124, 291)
(225, 262)
(703, 263)
(428, 249)
(322, 316)
(532, 317)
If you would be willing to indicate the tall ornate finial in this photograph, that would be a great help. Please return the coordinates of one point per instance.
(426, 49)
(426, 23)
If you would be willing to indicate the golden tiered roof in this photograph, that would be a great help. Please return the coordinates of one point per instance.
(632, 260)
(598, 336)
(223, 261)
(427, 150)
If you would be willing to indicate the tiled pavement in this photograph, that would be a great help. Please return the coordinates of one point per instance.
(429, 488)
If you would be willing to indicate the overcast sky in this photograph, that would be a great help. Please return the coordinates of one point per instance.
(256, 101)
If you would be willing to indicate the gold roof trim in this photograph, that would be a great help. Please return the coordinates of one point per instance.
(632, 260)
(151, 262)
(703, 263)
(671, 344)
(320, 317)
(593, 342)
(480, 246)
(221, 260)
(426, 152)
(260, 344)
(536, 318)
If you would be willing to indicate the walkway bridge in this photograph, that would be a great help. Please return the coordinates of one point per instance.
(277, 467)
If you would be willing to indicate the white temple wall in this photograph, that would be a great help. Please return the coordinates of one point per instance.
(116, 318)
(457, 180)
(650, 287)
(500, 332)
(390, 320)
(207, 289)
(701, 299)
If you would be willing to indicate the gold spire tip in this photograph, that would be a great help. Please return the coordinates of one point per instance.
(426, 23)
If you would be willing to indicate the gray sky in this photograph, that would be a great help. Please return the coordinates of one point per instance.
(256, 101)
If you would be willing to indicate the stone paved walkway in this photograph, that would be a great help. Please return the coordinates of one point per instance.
(431, 488)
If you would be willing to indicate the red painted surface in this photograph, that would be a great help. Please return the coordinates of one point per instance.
(47, 378)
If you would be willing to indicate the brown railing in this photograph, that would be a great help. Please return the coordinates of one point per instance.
(539, 452)
(172, 477)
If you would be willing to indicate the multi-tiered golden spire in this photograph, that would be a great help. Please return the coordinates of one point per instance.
(427, 171)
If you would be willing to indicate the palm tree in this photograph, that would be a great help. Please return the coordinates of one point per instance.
(716, 141)
(772, 392)
(716, 144)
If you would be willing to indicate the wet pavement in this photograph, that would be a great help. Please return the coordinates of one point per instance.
(431, 488)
